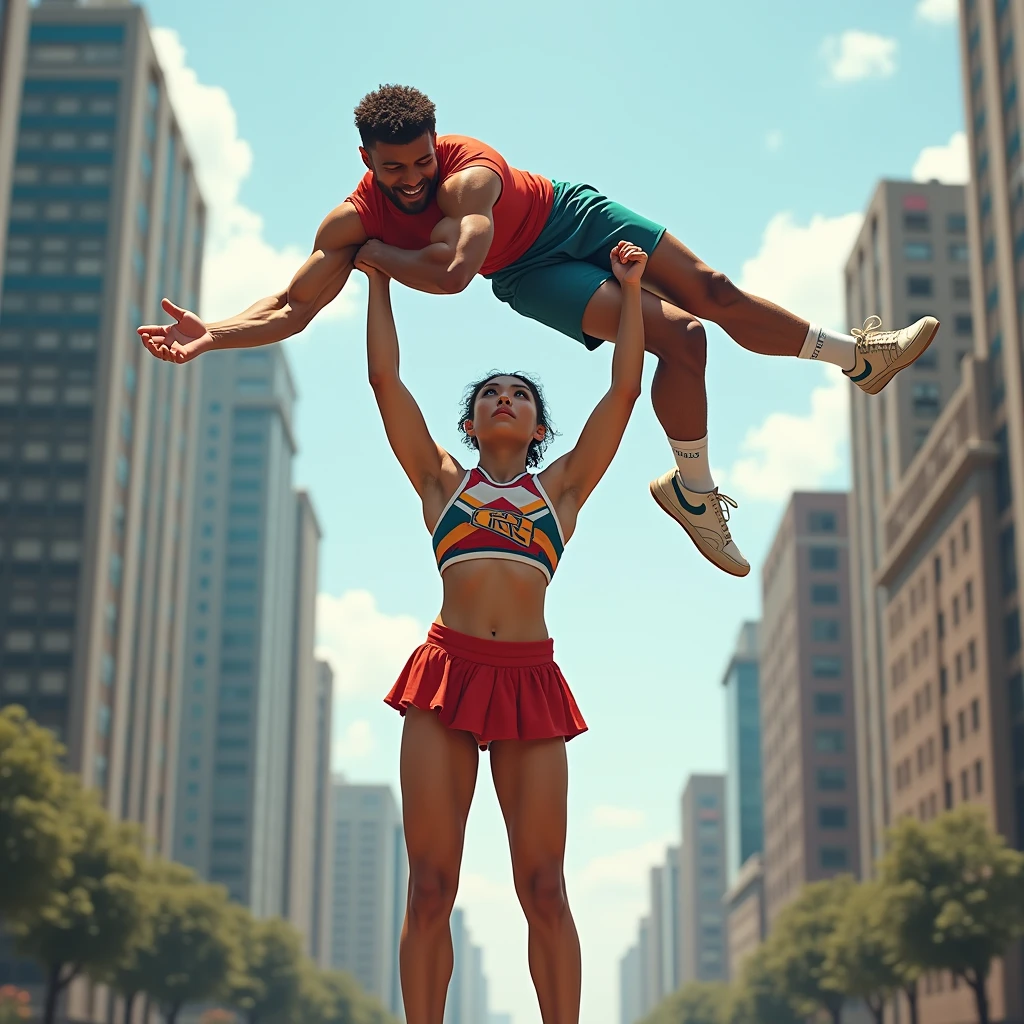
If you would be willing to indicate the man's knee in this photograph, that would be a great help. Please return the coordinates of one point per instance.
(543, 893)
(719, 291)
(431, 895)
(684, 343)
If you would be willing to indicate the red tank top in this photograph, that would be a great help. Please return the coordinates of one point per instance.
(519, 214)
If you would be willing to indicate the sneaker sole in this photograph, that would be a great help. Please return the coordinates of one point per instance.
(901, 364)
(667, 509)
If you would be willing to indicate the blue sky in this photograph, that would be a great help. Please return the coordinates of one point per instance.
(756, 132)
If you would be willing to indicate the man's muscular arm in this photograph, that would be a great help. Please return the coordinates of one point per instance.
(458, 245)
(317, 282)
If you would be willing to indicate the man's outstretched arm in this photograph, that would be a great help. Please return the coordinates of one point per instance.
(458, 245)
(276, 317)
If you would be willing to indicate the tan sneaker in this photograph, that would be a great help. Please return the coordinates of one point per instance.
(705, 518)
(882, 354)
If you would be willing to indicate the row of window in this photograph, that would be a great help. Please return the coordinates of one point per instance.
(918, 220)
(49, 683)
(59, 210)
(922, 286)
(91, 55)
(923, 252)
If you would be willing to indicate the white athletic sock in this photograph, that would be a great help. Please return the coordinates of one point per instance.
(692, 460)
(830, 347)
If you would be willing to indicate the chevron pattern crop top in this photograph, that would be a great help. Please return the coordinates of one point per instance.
(486, 519)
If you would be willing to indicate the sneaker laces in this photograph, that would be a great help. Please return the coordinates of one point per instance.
(871, 338)
(722, 504)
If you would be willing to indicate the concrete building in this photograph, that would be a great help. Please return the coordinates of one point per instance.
(807, 721)
(745, 917)
(320, 929)
(631, 998)
(467, 1001)
(364, 940)
(911, 258)
(945, 576)
(702, 881)
(305, 756)
(744, 801)
(97, 438)
(14, 20)
(236, 729)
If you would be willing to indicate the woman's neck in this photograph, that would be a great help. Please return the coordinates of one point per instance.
(502, 468)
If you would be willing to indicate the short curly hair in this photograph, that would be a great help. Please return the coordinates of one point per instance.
(394, 113)
(535, 453)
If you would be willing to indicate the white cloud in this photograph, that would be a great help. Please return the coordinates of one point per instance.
(950, 164)
(365, 647)
(856, 55)
(240, 265)
(356, 742)
(938, 12)
(789, 452)
(625, 868)
(773, 141)
(607, 816)
(801, 266)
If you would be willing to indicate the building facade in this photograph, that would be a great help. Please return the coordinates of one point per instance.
(744, 801)
(320, 947)
(630, 989)
(14, 20)
(364, 940)
(807, 720)
(911, 258)
(702, 951)
(745, 923)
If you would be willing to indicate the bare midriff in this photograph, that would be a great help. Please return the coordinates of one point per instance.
(495, 599)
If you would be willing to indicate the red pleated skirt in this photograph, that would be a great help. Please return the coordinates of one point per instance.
(494, 689)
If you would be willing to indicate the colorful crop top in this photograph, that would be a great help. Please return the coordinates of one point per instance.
(486, 519)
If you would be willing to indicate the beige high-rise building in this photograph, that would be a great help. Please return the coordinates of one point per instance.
(910, 259)
(745, 917)
(323, 868)
(96, 437)
(807, 723)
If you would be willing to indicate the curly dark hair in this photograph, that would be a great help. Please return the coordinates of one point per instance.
(394, 113)
(535, 453)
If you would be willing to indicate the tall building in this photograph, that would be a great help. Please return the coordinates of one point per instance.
(807, 721)
(653, 968)
(630, 987)
(910, 258)
(320, 930)
(668, 916)
(364, 939)
(96, 437)
(14, 18)
(702, 881)
(745, 923)
(744, 801)
(304, 756)
(467, 1000)
(235, 737)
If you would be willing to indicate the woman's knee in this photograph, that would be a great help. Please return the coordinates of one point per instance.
(431, 894)
(542, 893)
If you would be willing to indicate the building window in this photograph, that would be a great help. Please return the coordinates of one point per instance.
(917, 252)
(959, 668)
(825, 630)
(1008, 559)
(824, 593)
(826, 666)
(916, 221)
(975, 715)
(949, 795)
(821, 522)
(1011, 632)
(958, 252)
(831, 780)
(965, 785)
(972, 656)
(919, 286)
(978, 777)
(945, 737)
(824, 558)
(961, 725)
(925, 398)
(828, 703)
(832, 817)
(829, 741)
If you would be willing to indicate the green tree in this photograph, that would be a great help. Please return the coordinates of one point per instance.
(192, 949)
(37, 837)
(697, 1002)
(759, 996)
(349, 1004)
(861, 957)
(94, 916)
(315, 1001)
(266, 984)
(797, 951)
(957, 896)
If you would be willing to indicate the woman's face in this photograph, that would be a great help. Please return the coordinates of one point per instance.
(505, 411)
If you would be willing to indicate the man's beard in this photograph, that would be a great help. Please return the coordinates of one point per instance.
(404, 205)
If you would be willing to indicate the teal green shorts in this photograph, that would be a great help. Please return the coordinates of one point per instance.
(557, 276)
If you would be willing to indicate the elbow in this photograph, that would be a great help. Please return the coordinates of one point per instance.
(381, 379)
(456, 280)
(629, 394)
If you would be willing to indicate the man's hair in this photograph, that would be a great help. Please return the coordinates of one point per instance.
(394, 113)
